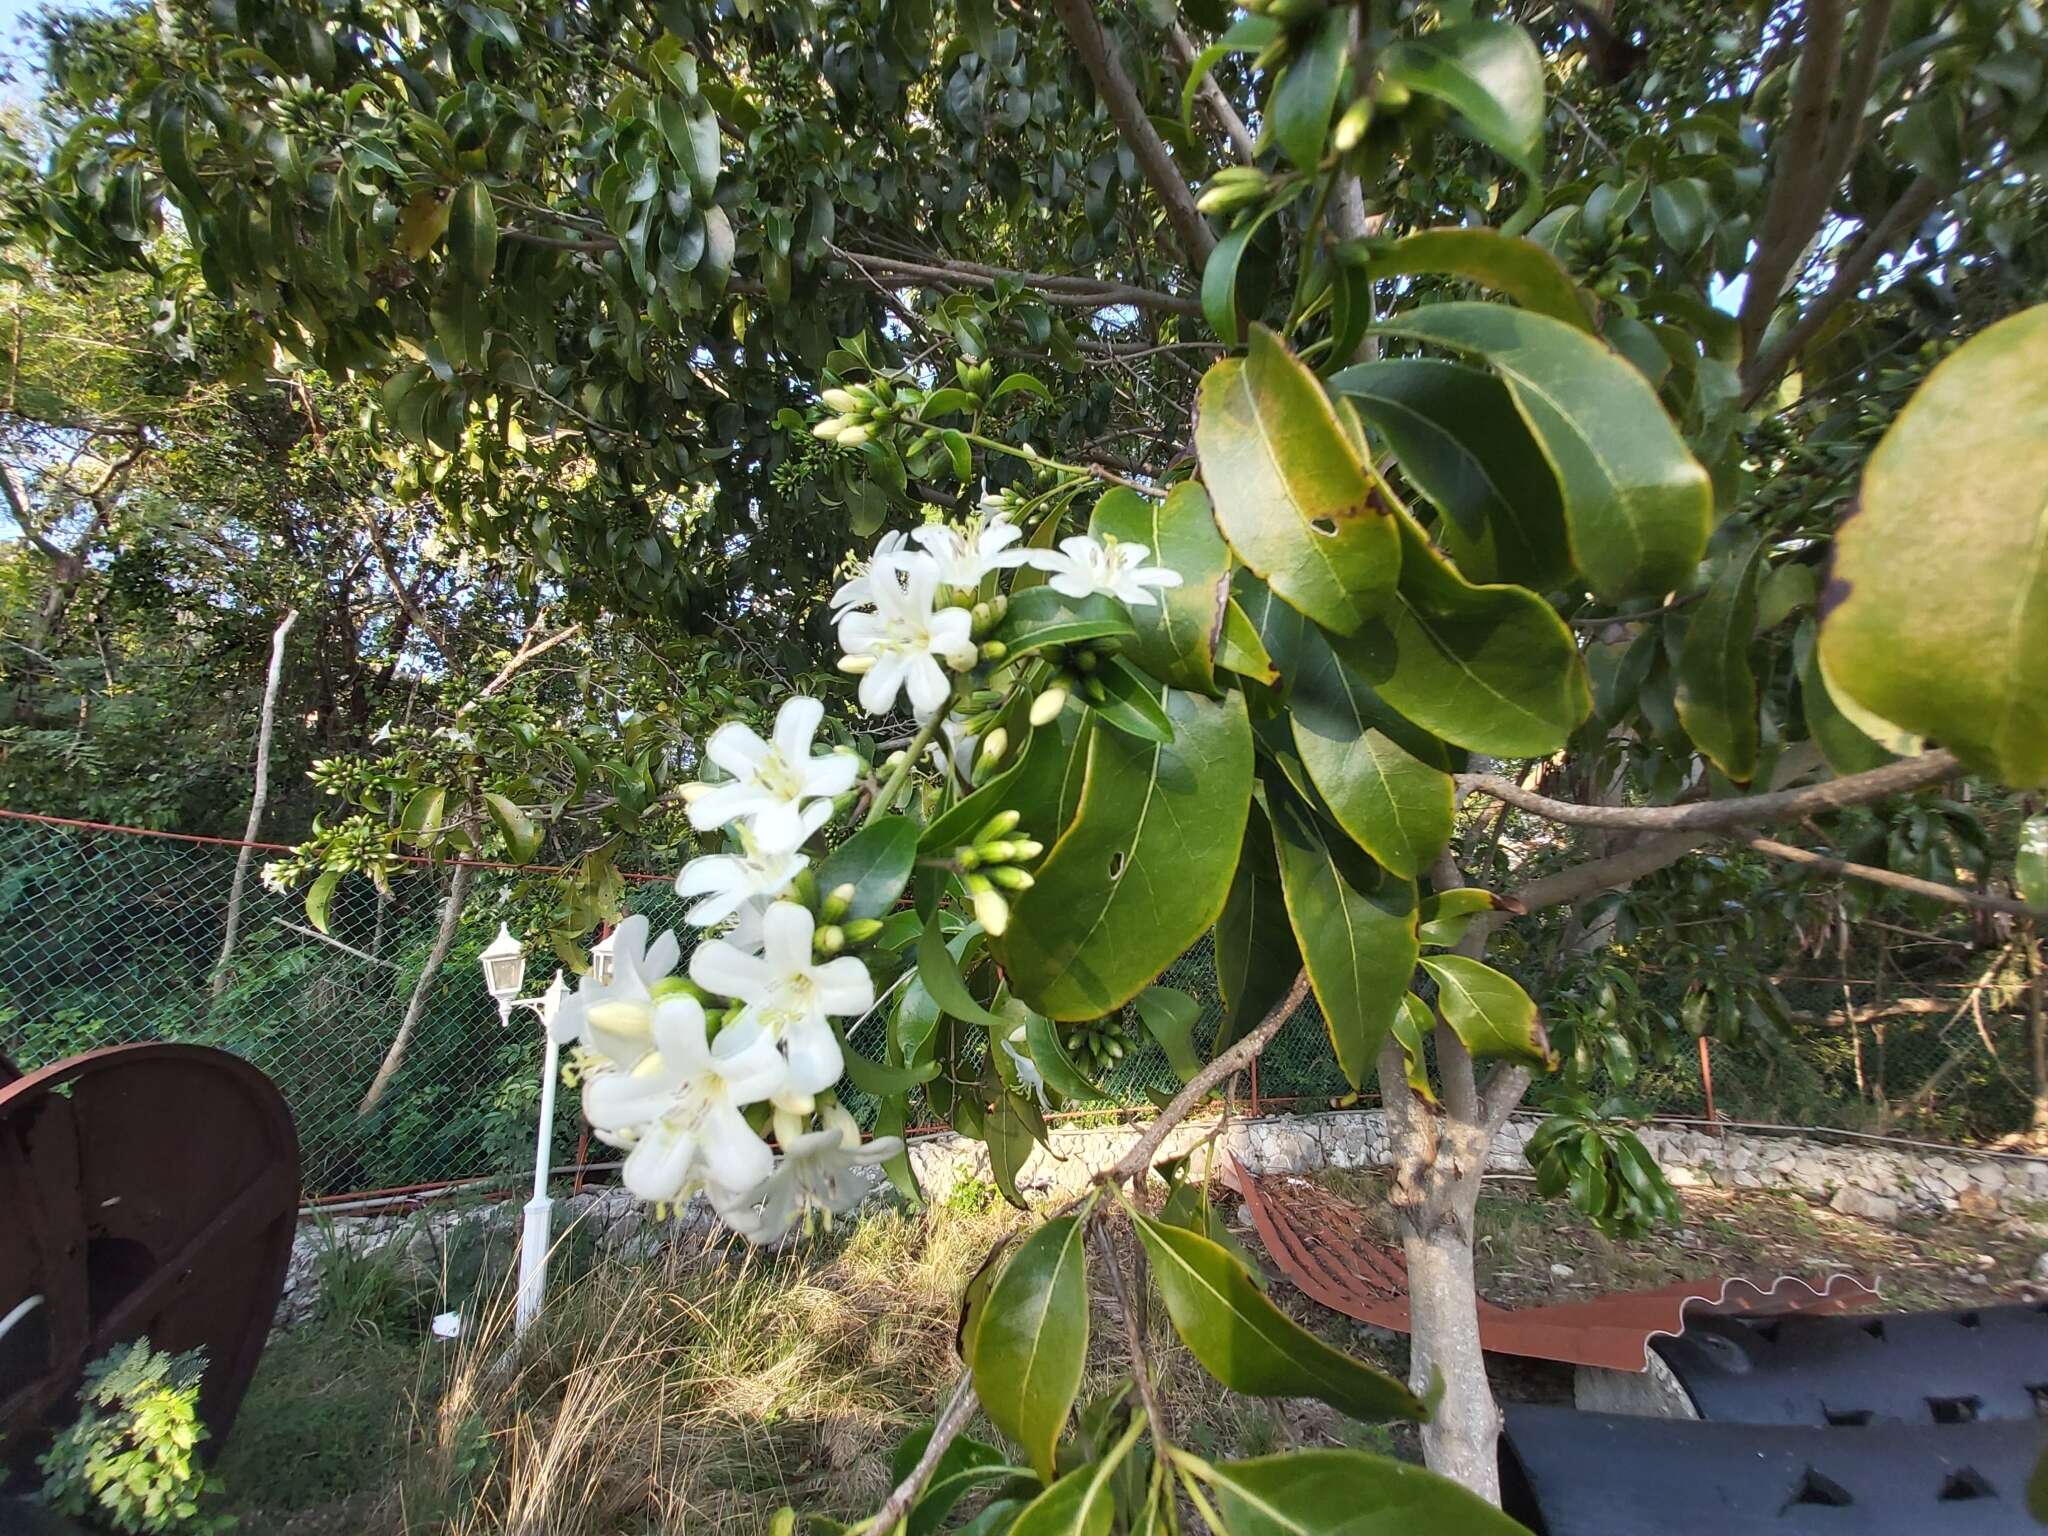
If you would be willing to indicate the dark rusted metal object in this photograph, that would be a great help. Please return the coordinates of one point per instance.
(144, 1189)
(1324, 1246)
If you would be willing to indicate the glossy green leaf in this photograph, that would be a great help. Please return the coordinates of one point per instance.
(1412, 1025)
(1360, 946)
(1144, 866)
(1346, 1493)
(1397, 807)
(1170, 1016)
(1026, 783)
(1083, 1503)
(1519, 269)
(1039, 617)
(1219, 282)
(473, 232)
(1032, 1339)
(1716, 689)
(1846, 748)
(1490, 668)
(1636, 502)
(1012, 1130)
(1249, 1344)
(1682, 212)
(1936, 611)
(702, 167)
(1241, 650)
(1061, 1072)
(1177, 636)
(1461, 443)
(1445, 915)
(876, 861)
(1290, 494)
(1488, 1010)
(939, 971)
(1256, 956)
(1489, 73)
(963, 1466)
(877, 1080)
(318, 895)
(1247, 34)
(522, 837)
(2030, 865)
(420, 822)
(1130, 702)
(1298, 113)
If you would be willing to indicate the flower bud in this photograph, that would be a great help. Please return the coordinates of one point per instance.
(896, 759)
(861, 929)
(993, 746)
(1047, 706)
(991, 911)
(830, 427)
(997, 825)
(830, 939)
(1086, 661)
(1352, 125)
(1000, 851)
(993, 650)
(999, 605)
(837, 900)
(1026, 848)
(837, 1117)
(856, 666)
(1092, 689)
(854, 436)
(1011, 878)
(633, 1020)
(677, 986)
(844, 401)
(787, 1128)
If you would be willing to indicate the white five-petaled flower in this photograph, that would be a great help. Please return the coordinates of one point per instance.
(858, 590)
(729, 881)
(1084, 565)
(815, 1173)
(614, 1020)
(901, 640)
(788, 995)
(784, 793)
(969, 552)
(681, 1105)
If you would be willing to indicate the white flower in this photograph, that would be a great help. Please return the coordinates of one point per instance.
(858, 590)
(1029, 1078)
(1086, 565)
(614, 1020)
(902, 641)
(681, 1105)
(816, 1173)
(745, 932)
(784, 793)
(728, 881)
(788, 996)
(966, 554)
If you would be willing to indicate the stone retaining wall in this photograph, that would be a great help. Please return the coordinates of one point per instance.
(1873, 1181)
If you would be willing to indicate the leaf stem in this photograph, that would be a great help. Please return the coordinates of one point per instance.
(885, 797)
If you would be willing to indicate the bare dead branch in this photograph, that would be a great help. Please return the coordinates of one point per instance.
(1935, 890)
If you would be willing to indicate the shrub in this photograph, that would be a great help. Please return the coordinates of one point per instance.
(128, 1461)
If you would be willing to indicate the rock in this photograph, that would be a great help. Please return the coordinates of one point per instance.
(1561, 1271)
(1851, 1201)
(1976, 1201)
(421, 1248)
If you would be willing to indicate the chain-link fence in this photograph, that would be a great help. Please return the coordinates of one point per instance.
(108, 936)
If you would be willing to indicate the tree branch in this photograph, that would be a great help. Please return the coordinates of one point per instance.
(1211, 96)
(1719, 815)
(1067, 291)
(1113, 85)
(946, 1429)
(1954, 895)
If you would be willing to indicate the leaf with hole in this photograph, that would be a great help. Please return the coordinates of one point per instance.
(1289, 491)
(1936, 609)
(1143, 867)
(1249, 1344)
(1032, 1339)
(1636, 502)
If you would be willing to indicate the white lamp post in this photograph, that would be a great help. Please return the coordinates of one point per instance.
(504, 964)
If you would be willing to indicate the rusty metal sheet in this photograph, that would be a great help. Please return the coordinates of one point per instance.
(144, 1189)
(1325, 1247)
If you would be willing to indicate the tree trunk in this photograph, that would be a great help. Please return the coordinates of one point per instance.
(257, 797)
(444, 940)
(1443, 1308)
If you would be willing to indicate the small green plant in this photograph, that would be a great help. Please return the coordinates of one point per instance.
(971, 1196)
(128, 1461)
(1587, 1151)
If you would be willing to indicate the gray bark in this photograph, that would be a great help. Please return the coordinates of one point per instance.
(257, 799)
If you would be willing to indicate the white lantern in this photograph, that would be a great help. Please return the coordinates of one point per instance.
(601, 960)
(504, 966)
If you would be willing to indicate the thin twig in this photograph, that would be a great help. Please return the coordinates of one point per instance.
(952, 1419)
(1127, 1313)
(1954, 895)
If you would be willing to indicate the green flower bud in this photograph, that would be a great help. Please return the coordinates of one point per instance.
(1047, 706)
(1011, 878)
(844, 401)
(1352, 125)
(993, 650)
(993, 746)
(837, 900)
(831, 427)
(997, 825)
(677, 986)
(861, 929)
(1025, 848)
(992, 912)
(854, 436)
(1091, 686)
(830, 939)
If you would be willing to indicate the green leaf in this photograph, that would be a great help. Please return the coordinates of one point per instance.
(1049, 1054)
(473, 232)
(1177, 636)
(1027, 784)
(1506, 264)
(1020, 383)
(1683, 213)
(715, 266)
(1936, 611)
(1143, 867)
(1346, 1493)
(940, 974)
(522, 837)
(964, 1465)
(1298, 111)
(2030, 865)
(1256, 956)
(1290, 494)
(1013, 1128)
(876, 861)
(1489, 1011)
(1241, 650)
(1490, 74)
(1490, 668)
(1445, 915)
(1397, 807)
(1249, 1344)
(1083, 1503)
(1360, 946)
(318, 895)
(1716, 689)
(1170, 1016)
(1461, 443)
(702, 166)
(1412, 1024)
(1636, 502)
(1219, 282)
(1039, 617)
(879, 1081)
(420, 822)
(1032, 1339)
(1247, 34)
